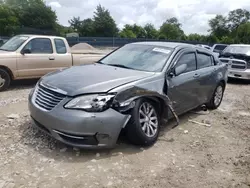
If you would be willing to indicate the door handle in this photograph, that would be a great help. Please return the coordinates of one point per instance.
(51, 58)
(196, 75)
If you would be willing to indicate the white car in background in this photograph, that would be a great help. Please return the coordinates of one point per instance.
(218, 48)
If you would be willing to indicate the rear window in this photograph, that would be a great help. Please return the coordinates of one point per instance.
(204, 60)
(60, 46)
(220, 47)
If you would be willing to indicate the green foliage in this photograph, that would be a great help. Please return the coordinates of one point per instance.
(103, 24)
(15, 14)
(133, 31)
(219, 26)
(75, 23)
(151, 32)
(28, 13)
(8, 21)
(243, 33)
(171, 29)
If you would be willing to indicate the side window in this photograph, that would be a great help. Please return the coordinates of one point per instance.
(188, 59)
(203, 60)
(39, 46)
(60, 46)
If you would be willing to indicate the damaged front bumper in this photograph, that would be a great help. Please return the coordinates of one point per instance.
(79, 128)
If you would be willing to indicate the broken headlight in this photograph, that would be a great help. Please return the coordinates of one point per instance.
(91, 103)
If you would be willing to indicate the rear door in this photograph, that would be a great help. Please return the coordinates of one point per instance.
(62, 57)
(39, 61)
(183, 88)
(206, 70)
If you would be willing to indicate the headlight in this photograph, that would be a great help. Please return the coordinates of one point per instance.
(91, 103)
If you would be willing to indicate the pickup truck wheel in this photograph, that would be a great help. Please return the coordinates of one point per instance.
(217, 97)
(4, 80)
(144, 125)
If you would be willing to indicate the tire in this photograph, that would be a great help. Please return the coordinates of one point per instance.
(4, 80)
(145, 133)
(217, 97)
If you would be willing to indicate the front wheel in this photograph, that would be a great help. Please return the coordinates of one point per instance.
(217, 97)
(4, 80)
(143, 127)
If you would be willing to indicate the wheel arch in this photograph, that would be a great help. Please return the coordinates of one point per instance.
(8, 71)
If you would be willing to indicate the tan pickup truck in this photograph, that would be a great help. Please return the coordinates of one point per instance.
(32, 56)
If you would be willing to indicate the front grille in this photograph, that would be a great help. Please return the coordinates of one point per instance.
(238, 67)
(47, 99)
(224, 60)
(238, 62)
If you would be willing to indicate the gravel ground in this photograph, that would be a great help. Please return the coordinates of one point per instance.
(190, 155)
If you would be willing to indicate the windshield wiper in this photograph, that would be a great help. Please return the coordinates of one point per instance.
(4, 49)
(119, 65)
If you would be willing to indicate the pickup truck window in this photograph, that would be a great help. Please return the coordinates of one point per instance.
(60, 46)
(14, 43)
(204, 60)
(39, 46)
(190, 60)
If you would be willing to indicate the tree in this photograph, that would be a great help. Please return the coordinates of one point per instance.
(33, 14)
(218, 26)
(171, 29)
(133, 31)
(126, 33)
(8, 21)
(194, 37)
(87, 28)
(75, 23)
(237, 17)
(212, 39)
(243, 33)
(151, 32)
(104, 25)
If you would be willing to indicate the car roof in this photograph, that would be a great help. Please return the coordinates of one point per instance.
(240, 45)
(30, 35)
(166, 44)
(175, 45)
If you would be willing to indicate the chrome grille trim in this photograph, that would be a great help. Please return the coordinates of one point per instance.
(235, 63)
(46, 99)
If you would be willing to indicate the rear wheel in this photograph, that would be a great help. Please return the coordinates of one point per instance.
(143, 127)
(4, 79)
(217, 97)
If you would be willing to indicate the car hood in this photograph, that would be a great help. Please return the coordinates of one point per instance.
(92, 78)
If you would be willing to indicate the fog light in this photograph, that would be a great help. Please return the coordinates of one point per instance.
(101, 137)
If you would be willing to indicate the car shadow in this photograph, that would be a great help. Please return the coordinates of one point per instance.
(39, 142)
(22, 84)
(238, 81)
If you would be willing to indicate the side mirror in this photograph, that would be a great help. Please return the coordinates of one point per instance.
(26, 51)
(180, 69)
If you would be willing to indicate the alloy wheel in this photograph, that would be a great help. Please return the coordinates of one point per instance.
(148, 119)
(218, 95)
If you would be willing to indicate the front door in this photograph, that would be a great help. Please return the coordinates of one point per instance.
(183, 88)
(38, 61)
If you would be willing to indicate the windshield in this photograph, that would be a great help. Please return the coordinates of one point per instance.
(238, 50)
(14, 43)
(139, 57)
(220, 47)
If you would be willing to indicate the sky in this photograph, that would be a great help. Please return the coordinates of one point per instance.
(192, 14)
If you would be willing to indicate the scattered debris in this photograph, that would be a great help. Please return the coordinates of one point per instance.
(63, 150)
(13, 116)
(98, 155)
(93, 161)
(200, 123)
(110, 183)
(185, 131)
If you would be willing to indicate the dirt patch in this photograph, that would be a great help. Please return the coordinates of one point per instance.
(190, 155)
(82, 46)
